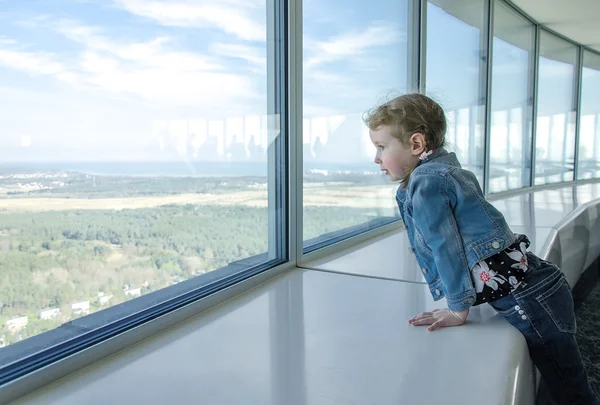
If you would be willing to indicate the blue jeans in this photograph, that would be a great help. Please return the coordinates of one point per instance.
(544, 313)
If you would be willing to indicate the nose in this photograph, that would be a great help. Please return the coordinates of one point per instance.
(377, 159)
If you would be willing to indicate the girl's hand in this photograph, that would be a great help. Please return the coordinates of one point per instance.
(439, 318)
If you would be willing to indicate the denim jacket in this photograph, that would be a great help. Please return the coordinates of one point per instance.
(450, 226)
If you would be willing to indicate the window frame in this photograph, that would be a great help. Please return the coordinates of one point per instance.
(531, 92)
(62, 351)
(40, 359)
(575, 103)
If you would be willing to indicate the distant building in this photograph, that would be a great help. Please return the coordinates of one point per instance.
(133, 292)
(49, 313)
(103, 300)
(16, 324)
(81, 308)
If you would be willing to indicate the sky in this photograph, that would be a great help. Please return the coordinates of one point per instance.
(144, 80)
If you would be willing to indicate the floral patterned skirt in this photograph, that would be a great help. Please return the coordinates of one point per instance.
(502, 273)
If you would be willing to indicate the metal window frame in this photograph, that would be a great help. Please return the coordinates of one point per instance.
(188, 306)
(545, 28)
(577, 101)
(596, 127)
(536, 76)
(295, 130)
(421, 35)
(62, 351)
(528, 113)
(582, 48)
(574, 101)
(532, 103)
(488, 51)
(345, 238)
(577, 93)
(418, 41)
(278, 115)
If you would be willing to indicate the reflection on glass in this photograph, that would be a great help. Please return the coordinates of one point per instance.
(455, 71)
(555, 133)
(134, 145)
(589, 132)
(511, 126)
(351, 62)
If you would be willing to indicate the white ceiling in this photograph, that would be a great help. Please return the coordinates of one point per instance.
(578, 20)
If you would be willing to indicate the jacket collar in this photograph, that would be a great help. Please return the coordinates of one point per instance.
(440, 155)
(434, 154)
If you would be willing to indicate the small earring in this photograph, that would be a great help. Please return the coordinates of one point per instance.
(424, 156)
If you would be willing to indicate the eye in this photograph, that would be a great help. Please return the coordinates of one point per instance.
(380, 147)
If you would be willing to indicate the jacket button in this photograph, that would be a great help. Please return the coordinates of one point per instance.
(495, 245)
(411, 250)
(437, 292)
(424, 271)
(517, 307)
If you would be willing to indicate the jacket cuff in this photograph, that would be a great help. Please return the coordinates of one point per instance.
(461, 302)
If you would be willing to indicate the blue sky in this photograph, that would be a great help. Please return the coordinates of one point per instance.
(87, 79)
(127, 79)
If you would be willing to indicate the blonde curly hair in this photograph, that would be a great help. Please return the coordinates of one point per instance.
(409, 114)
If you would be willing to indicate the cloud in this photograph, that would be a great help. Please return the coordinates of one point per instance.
(253, 55)
(157, 70)
(350, 44)
(123, 83)
(7, 41)
(343, 73)
(153, 53)
(231, 17)
(153, 70)
(33, 63)
(31, 22)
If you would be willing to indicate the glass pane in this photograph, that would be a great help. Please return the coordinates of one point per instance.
(455, 72)
(352, 61)
(555, 133)
(511, 127)
(134, 142)
(589, 132)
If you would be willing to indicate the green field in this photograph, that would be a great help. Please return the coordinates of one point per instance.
(53, 258)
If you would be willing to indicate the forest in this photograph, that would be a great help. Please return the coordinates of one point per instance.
(52, 259)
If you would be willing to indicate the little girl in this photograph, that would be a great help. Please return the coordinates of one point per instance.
(467, 252)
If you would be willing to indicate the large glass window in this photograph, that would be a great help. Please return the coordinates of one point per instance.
(456, 70)
(555, 133)
(139, 145)
(589, 131)
(512, 107)
(355, 56)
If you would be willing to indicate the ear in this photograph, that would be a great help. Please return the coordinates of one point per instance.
(417, 144)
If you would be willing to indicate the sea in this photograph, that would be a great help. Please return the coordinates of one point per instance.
(180, 169)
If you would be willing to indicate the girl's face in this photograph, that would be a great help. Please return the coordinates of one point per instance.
(392, 156)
